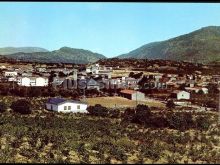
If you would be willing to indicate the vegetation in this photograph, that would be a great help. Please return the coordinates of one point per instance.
(200, 46)
(3, 107)
(12, 50)
(170, 104)
(22, 106)
(64, 55)
(82, 138)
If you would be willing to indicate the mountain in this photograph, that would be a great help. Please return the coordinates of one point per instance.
(200, 46)
(63, 55)
(12, 50)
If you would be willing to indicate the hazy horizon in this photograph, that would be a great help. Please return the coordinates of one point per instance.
(110, 29)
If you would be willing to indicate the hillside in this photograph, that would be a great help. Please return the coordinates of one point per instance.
(202, 46)
(64, 55)
(12, 50)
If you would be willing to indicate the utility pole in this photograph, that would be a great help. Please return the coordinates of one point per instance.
(136, 89)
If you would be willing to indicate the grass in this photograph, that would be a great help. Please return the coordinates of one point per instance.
(121, 102)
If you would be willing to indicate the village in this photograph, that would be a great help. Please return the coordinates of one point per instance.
(113, 86)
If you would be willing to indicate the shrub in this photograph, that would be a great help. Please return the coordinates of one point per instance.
(142, 114)
(177, 121)
(35, 92)
(3, 107)
(22, 106)
(114, 113)
(98, 110)
(202, 123)
(170, 104)
(159, 122)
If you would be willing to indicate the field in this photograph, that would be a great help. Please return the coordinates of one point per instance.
(50, 137)
(47, 137)
(119, 102)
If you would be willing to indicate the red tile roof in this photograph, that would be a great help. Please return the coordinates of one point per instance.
(127, 91)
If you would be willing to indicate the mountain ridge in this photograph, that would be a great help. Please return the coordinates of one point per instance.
(64, 54)
(11, 50)
(202, 46)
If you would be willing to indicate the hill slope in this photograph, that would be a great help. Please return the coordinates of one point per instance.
(64, 55)
(12, 50)
(202, 46)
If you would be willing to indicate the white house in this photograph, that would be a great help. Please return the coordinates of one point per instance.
(32, 81)
(10, 73)
(178, 94)
(197, 89)
(63, 105)
(132, 95)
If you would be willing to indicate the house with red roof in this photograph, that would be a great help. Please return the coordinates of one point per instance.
(132, 95)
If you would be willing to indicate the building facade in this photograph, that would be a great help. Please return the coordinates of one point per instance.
(63, 105)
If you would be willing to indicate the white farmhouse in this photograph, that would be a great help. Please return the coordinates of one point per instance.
(10, 73)
(178, 94)
(197, 89)
(63, 105)
(32, 81)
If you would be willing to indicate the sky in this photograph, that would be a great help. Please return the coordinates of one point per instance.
(109, 28)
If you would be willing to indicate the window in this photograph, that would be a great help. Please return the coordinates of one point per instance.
(78, 106)
(69, 107)
(65, 107)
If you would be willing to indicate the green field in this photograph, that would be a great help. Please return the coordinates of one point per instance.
(50, 137)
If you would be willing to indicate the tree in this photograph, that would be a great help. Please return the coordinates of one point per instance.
(131, 74)
(142, 114)
(180, 121)
(3, 107)
(23, 91)
(35, 91)
(143, 81)
(128, 114)
(211, 104)
(170, 104)
(61, 74)
(203, 123)
(114, 113)
(138, 75)
(200, 92)
(22, 106)
(52, 75)
(182, 87)
(98, 110)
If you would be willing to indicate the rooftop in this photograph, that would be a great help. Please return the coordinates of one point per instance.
(127, 91)
(58, 101)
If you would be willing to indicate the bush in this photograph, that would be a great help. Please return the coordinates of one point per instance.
(170, 104)
(98, 110)
(3, 107)
(142, 114)
(181, 121)
(128, 114)
(159, 122)
(114, 113)
(22, 106)
(203, 123)
(35, 92)
(211, 104)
